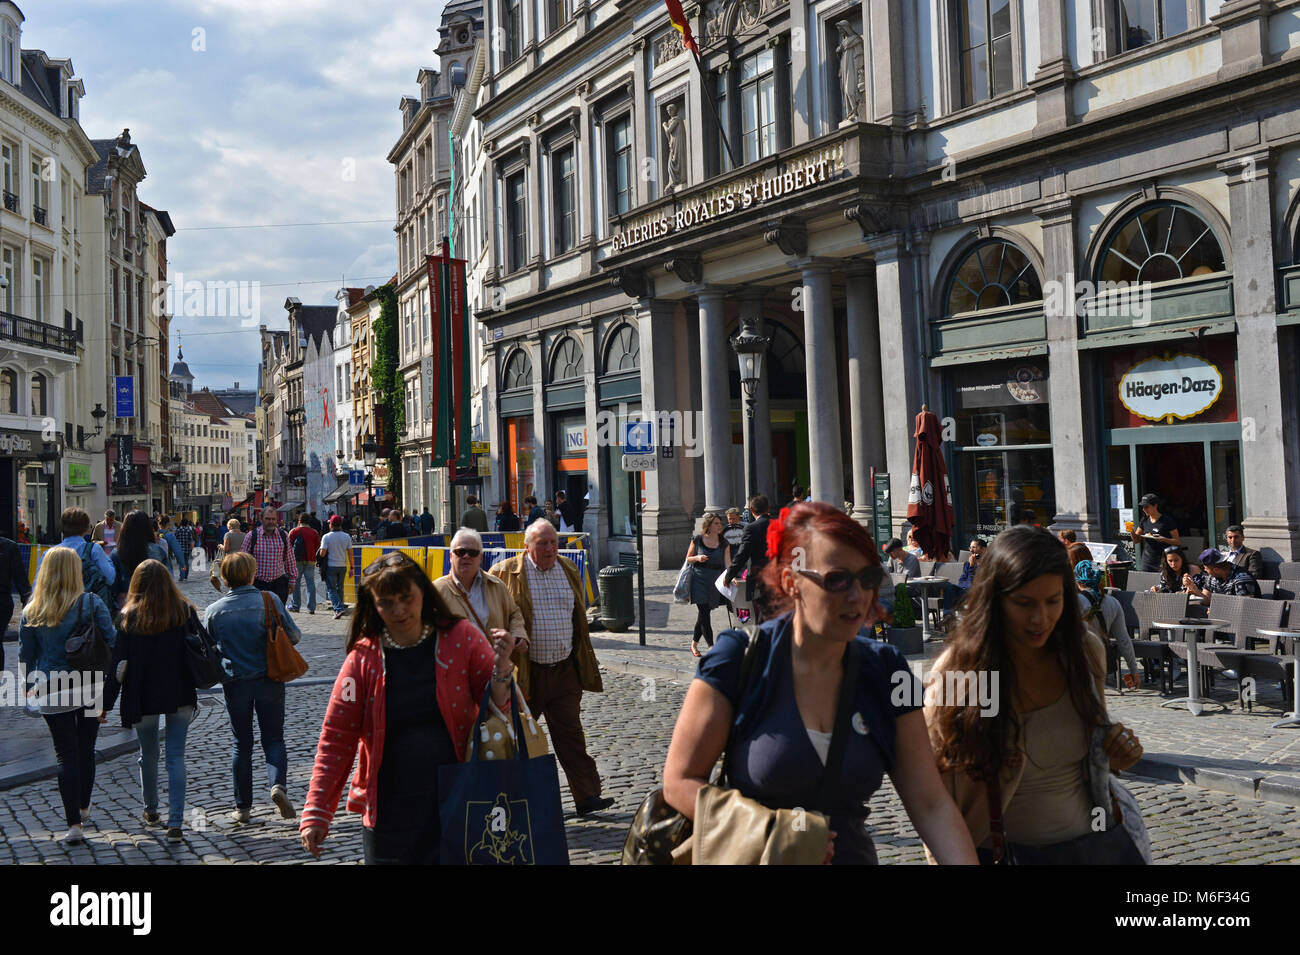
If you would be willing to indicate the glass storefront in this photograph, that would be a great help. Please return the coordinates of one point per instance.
(570, 435)
(519, 460)
(622, 486)
(1003, 462)
(1171, 429)
(34, 509)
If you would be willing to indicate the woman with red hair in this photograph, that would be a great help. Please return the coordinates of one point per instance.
(818, 713)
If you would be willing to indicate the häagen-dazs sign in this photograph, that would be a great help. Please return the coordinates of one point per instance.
(1162, 389)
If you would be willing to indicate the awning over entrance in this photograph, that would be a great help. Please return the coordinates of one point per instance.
(289, 506)
(343, 492)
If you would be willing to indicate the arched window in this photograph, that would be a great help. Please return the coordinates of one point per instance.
(38, 394)
(567, 362)
(624, 351)
(519, 371)
(1161, 242)
(993, 274)
(8, 392)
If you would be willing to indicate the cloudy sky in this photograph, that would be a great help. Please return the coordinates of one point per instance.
(252, 116)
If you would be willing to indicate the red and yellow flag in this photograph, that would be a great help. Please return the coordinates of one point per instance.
(678, 18)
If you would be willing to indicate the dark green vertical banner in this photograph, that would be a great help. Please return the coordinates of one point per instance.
(463, 371)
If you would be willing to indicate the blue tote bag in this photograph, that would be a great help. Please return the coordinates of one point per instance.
(502, 812)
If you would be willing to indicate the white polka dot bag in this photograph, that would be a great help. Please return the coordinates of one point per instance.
(496, 733)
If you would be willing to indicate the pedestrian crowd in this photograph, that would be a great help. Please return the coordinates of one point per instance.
(805, 710)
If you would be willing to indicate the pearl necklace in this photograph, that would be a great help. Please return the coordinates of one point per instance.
(424, 635)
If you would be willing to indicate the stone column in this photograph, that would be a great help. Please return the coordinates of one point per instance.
(866, 385)
(537, 351)
(667, 531)
(493, 426)
(595, 518)
(1076, 451)
(1054, 76)
(1243, 27)
(1266, 408)
(758, 428)
(715, 397)
(825, 454)
(900, 351)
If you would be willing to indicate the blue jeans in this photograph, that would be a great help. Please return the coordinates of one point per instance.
(334, 586)
(305, 571)
(146, 731)
(265, 697)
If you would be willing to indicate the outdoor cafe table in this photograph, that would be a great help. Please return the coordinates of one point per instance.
(1192, 630)
(925, 583)
(1292, 718)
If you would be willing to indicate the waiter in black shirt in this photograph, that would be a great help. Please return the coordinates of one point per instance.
(752, 553)
(13, 578)
(1154, 533)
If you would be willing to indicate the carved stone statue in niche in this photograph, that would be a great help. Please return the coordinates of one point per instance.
(851, 55)
(675, 163)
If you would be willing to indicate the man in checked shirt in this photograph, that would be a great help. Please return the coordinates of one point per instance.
(559, 662)
(276, 568)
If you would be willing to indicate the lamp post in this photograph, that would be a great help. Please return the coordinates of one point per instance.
(749, 347)
(370, 451)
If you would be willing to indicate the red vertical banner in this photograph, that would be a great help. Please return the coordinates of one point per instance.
(434, 269)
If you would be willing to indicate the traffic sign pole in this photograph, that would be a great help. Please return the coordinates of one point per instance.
(640, 563)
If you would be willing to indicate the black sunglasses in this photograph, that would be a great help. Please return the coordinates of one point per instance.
(839, 581)
(466, 552)
(397, 559)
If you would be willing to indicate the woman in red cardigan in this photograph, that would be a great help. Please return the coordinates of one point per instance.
(408, 693)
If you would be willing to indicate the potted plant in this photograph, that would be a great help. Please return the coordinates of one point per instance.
(903, 632)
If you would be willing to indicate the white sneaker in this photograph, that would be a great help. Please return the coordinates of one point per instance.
(73, 837)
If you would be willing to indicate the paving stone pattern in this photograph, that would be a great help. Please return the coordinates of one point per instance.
(628, 729)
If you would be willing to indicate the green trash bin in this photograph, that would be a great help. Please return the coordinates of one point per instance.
(617, 612)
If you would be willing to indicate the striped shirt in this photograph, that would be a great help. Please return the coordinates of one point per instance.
(274, 555)
(551, 640)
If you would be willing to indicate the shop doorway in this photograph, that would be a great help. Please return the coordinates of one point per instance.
(1198, 481)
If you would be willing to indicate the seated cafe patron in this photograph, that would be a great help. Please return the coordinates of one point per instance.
(1220, 576)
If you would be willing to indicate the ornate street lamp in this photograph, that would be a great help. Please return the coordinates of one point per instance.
(749, 347)
(370, 451)
(99, 414)
(49, 458)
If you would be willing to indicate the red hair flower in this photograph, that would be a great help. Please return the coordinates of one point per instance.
(776, 534)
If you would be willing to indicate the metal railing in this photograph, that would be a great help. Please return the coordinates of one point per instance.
(11, 201)
(40, 215)
(28, 331)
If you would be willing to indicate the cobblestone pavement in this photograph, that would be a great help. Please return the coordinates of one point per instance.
(628, 729)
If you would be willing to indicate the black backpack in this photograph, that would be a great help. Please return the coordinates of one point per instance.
(300, 548)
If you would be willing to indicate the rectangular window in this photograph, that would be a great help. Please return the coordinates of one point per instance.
(513, 17)
(620, 173)
(557, 14)
(8, 156)
(38, 290)
(11, 278)
(758, 106)
(984, 47)
(516, 222)
(1145, 21)
(564, 178)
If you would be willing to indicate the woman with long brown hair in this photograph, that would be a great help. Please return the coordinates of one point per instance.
(1022, 765)
(156, 683)
(820, 714)
(407, 695)
(137, 541)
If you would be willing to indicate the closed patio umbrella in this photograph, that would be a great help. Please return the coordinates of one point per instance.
(929, 498)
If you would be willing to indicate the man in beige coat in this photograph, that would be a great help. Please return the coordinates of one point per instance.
(558, 662)
(483, 599)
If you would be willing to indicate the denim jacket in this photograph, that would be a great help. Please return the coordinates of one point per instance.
(238, 623)
(41, 649)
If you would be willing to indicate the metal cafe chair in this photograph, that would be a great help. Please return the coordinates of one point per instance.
(1149, 608)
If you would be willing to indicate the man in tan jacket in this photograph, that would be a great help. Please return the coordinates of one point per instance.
(558, 662)
(483, 599)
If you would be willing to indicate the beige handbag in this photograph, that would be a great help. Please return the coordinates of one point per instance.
(497, 732)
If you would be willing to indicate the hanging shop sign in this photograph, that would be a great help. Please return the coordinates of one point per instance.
(19, 442)
(1174, 387)
(738, 195)
(78, 475)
